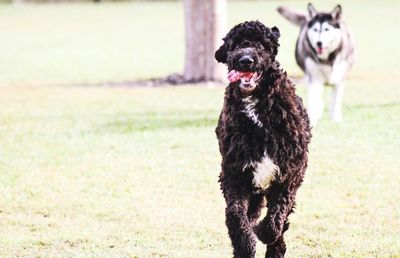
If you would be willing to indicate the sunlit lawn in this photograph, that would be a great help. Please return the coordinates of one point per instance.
(125, 172)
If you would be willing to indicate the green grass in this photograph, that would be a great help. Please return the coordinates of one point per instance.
(122, 172)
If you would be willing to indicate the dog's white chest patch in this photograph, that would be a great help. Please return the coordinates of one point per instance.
(250, 110)
(265, 172)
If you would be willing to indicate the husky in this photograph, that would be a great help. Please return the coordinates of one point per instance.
(325, 52)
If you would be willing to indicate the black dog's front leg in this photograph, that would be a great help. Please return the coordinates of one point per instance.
(270, 230)
(240, 231)
(277, 249)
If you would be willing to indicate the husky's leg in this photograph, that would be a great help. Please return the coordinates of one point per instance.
(337, 77)
(336, 104)
(315, 87)
(315, 101)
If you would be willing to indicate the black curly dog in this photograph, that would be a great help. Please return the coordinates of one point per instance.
(263, 133)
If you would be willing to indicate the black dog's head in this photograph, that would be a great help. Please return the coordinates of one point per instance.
(248, 50)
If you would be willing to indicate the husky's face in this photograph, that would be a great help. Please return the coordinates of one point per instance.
(323, 31)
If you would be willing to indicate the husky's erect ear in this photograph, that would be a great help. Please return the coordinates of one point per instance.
(221, 54)
(294, 17)
(337, 12)
(311, 10)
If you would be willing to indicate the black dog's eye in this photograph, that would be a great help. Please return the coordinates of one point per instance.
(245, 44)
(315, 29)
(326, 29)
(231, 46)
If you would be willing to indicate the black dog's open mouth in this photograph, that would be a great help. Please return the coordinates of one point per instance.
(248, 80)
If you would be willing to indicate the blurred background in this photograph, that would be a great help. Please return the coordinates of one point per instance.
(94, 164)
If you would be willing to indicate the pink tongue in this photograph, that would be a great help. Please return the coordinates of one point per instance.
(234, 75)
(320, 50)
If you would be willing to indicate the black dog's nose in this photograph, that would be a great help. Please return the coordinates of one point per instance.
(319, 44)
(246, 60)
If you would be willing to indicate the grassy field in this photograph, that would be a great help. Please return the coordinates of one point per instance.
(132, 172)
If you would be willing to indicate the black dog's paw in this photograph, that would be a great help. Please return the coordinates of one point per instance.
(265, 233)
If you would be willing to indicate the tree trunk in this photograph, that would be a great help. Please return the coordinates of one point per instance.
(205, 26)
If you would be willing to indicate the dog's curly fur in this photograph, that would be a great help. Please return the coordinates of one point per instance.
(279, 128)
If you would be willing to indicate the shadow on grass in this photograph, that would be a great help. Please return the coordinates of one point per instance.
(140, 122)
(174, 79)
(153, 121)
(376, 106)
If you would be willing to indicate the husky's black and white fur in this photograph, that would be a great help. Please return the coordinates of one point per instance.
(325, 52)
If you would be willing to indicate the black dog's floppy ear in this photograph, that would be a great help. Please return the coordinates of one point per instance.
(221, 54)
(275, 32)
(337, 12)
